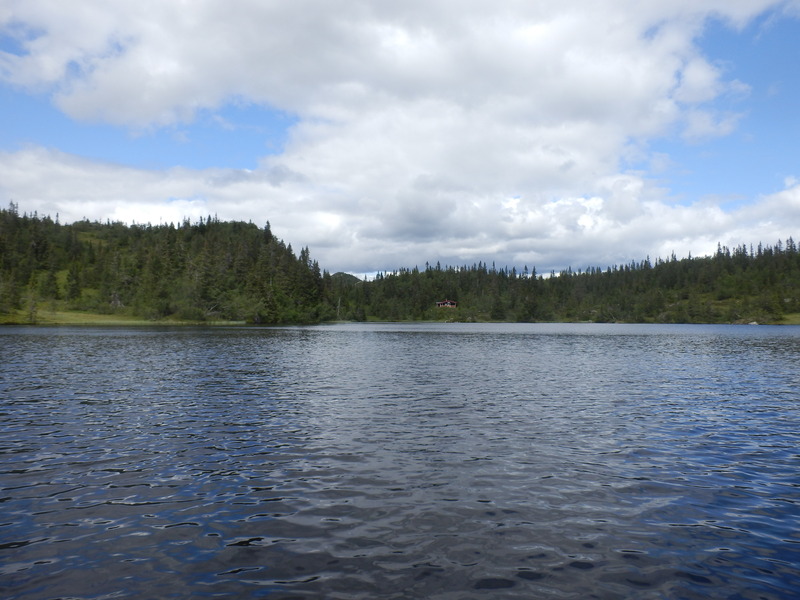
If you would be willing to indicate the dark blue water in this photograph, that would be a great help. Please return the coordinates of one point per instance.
(400, 461)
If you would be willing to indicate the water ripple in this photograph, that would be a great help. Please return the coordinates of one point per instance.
(400, 461)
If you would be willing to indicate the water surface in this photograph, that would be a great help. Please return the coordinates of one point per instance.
(400, 461)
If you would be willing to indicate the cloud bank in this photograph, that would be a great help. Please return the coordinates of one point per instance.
(428, 130)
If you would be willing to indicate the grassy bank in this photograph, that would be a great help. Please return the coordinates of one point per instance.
(790, 319)
(73, 317)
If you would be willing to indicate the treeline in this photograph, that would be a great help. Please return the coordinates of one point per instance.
(733, 286)
(211, 270)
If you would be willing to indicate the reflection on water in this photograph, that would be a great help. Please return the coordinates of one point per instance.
(401, 461)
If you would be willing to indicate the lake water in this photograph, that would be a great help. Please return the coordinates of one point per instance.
(422, 461)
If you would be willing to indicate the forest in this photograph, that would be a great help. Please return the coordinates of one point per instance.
(213, 271)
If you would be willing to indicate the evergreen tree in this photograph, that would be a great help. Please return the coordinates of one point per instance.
(212, 270)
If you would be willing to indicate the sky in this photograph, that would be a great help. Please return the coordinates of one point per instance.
(384, 134)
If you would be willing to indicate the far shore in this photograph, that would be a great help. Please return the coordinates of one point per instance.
(80, 318)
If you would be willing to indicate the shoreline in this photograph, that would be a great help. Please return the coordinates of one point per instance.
(88, 319)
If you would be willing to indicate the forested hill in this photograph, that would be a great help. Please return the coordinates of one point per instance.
(208, 270)
(212, 270)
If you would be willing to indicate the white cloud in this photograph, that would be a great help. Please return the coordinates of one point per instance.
(417, 121)
(700, 82)
(627, 220)
(703, 124)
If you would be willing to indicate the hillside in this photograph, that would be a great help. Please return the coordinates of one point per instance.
(204, 271)
(212, 271)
